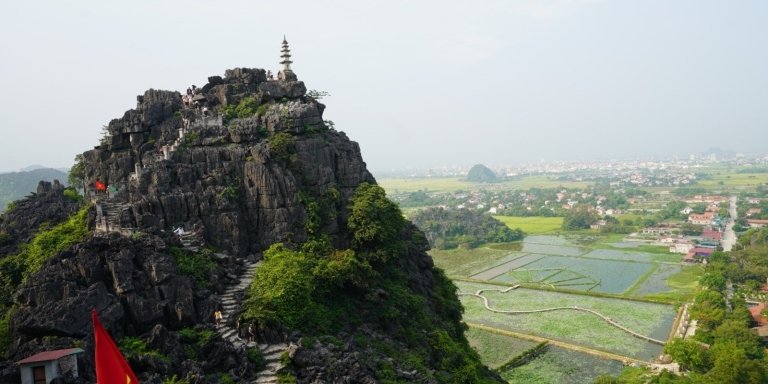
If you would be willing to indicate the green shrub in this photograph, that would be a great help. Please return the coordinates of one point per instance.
(375, 221)
(72, 194)
(224, 378)
(49, 242)
(135, 347)
(281, 145)
(285, 378)
(5, 336)
(5, 238)
(196, 265)
(256, 358)
(175, 380)
(262, 110)
(247, 107)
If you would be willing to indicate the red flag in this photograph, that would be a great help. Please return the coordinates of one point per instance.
(111, 367)
(100, 186)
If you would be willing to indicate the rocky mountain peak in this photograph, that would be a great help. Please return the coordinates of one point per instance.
(228, 159)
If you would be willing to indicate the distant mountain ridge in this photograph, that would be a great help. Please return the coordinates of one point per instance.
(17, 185)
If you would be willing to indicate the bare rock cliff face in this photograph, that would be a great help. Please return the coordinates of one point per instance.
(175, 163)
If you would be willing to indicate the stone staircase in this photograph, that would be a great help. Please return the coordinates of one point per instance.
(108, 217)
(271, 353)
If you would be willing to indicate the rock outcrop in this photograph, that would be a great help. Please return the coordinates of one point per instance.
(240, 164)
(177, 163)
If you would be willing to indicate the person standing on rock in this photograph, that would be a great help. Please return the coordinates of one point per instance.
(250, 333)
(217, 316)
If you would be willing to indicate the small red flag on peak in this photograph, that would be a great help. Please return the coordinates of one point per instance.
(111, 367)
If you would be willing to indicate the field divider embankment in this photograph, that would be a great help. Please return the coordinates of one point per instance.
(562, 344)
(565, 290)
(486, 303)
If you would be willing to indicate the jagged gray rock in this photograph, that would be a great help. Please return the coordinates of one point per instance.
(223, 175)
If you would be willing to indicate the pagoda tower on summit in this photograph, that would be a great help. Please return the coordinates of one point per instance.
(285, 63)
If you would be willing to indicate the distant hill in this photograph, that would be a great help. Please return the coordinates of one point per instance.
(446, 229)
(481, 174)
(16, 185)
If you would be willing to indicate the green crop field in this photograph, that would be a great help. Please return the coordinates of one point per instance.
(451, 184)
(496, 349)
(532, 225)
(572, 326)
(562, 366)
(466, 262)
(681, 286)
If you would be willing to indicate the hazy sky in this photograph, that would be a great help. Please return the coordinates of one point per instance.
(416, 83)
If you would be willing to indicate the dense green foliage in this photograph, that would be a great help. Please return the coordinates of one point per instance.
(194, 340)
(247, 107)
(47, 243)
(16, 185)
(134, 347)
(321, 291)
(374, 221)
(480, 174)
(579, 217)
(197, 265)
(447, 229)
(77, 172)
(281, 146)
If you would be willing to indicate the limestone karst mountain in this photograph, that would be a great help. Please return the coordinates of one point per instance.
(196, 187)
(481, 174)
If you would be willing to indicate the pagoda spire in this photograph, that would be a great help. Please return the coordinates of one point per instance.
(285, 56)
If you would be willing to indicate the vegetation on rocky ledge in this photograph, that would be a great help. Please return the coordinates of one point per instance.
(363, 291)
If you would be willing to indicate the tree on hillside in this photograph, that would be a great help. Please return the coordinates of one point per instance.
(374, 221)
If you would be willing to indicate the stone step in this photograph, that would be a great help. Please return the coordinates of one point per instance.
(265, 380)
(269, 348)
(273, 357)
(227, 332)
(272, 366)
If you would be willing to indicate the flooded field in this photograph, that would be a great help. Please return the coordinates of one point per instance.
(571, 326)
(562, 366)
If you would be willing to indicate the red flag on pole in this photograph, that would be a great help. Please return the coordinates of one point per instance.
(111, 367)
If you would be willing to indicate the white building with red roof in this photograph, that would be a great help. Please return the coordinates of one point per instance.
(46, 366)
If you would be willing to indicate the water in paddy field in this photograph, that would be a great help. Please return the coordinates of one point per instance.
(657, 282)
(562, 366)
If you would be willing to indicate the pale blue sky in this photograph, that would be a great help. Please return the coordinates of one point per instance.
(416, 83)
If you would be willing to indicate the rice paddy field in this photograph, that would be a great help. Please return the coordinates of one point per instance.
(562, 366)
(532, 225)
(571, 326)
(557, 262)
(601, 273)
(451, 184)
(495, 349)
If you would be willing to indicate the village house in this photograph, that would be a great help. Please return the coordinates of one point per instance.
(753, 211)
(698, 253)
(711, 237)
(686, 211)
(598, 224)
(45, 366)
(656, 231)
(703, 219)
(753, 200)
(682, 248)
(761, 321)
(716, 199)
(756, 223)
